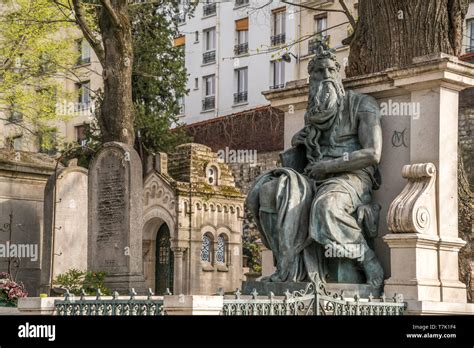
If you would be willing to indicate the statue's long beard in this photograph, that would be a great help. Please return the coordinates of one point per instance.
(327, 97)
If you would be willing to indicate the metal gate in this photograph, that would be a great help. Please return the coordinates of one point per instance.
(163, 261)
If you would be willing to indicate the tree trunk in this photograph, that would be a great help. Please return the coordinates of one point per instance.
(390, 33)
(117, 110)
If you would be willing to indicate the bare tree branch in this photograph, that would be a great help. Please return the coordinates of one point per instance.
(348, 14)
(110, 10)
(88, 34)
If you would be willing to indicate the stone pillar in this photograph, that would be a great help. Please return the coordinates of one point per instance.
(424, 262)
(178, 270)
(115, 217)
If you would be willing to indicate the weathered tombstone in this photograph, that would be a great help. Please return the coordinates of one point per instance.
(65, 223)
(115, 216)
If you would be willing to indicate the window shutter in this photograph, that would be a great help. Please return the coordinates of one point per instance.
(242, 24)
(179, 41)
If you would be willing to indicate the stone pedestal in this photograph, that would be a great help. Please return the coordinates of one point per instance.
(115, 217)
(193, 305)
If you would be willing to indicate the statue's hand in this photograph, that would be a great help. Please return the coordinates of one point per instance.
(318, 170)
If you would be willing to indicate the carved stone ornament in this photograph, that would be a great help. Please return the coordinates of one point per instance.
(414, 209)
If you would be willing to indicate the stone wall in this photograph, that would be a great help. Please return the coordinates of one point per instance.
(23, 177)
(466, 139)
(246, 173)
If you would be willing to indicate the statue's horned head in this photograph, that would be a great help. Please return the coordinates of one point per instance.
(323, 52)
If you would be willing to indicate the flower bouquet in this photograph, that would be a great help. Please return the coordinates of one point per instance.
(10, 291)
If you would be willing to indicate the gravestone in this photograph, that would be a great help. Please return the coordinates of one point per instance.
(65, 223)
(115, 216)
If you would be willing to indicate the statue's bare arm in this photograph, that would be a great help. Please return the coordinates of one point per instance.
(370, 137)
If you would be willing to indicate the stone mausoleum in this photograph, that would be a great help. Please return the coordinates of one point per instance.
(190, 223)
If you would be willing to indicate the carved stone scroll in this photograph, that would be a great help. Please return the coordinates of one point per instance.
(414, 209)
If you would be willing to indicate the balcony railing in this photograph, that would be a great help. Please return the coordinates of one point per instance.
(277, 86)
(240, 97)
(209, 9)
(208, 57)
(242, 48)
(181, 18)
(208, 103)
(313, 43)
(239, 3)
(278, 39)
(470, 49)
(83, 60)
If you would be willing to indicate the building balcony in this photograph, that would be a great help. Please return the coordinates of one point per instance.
(240, 97)
(209, 57)
(242, 48)
(83, 61)
(208, 103)
(278, 86)
(278, 39)
(181, 18)
(312, 44)
(209, 9)
(239, 3)
(82, 108)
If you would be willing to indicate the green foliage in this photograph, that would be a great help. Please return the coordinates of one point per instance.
(253, 251)
(75, 280)
(36, 48)
(159, 75)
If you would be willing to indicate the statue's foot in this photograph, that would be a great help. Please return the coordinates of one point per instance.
(373, 270)
(275, 277)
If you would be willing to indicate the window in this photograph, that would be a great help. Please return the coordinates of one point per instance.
(209, 93)
(84, 96)
(242, 31)
(320, 26)
(278, 27)
(470, 34)
(209, 55)
(242, 85)
(80, 132)
(180, 101)
(48, 140)
(206, 248)
(209, 8)
(196, 83)
(85, 52)
(212, 174)
(239, 3)
(196, 36)
(221, 249)
(278, 74)
(209, 85)
(15, 143)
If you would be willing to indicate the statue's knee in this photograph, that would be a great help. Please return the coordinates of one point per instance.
(322, 205)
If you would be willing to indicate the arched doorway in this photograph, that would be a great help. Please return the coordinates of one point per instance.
(164, 261)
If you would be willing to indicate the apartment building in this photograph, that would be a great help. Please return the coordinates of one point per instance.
(233, 53)
(75, 106)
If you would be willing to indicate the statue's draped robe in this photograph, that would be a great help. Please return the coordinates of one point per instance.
(311, 215)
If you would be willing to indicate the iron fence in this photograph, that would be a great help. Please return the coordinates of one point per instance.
(111, 305)
(314, 300)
